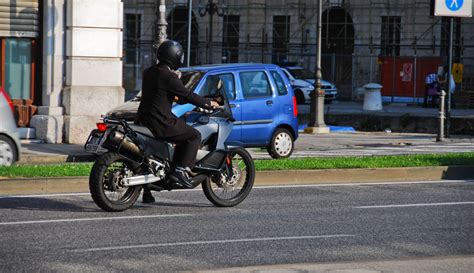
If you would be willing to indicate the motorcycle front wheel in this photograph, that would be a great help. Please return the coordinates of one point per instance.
(231, 188)
(106, 183)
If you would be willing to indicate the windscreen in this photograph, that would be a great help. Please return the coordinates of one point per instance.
(301, 74)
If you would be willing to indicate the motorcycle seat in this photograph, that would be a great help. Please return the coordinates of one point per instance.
(142, 130)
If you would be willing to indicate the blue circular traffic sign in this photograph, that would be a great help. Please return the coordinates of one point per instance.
(454, 5)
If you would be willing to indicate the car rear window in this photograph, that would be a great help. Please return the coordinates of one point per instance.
(279, 83)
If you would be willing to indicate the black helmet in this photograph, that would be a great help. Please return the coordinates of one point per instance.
(170, 53)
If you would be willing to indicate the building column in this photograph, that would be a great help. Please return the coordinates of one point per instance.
(93, 65)
(49, 120)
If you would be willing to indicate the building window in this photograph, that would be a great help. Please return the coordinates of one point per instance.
(390, 40)
(132, 38)
(230, 40)
(281, 35)
(445, 30)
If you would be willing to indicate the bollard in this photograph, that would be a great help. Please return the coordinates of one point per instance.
(442, 117)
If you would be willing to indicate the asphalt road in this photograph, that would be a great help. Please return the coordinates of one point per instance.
(275, 225)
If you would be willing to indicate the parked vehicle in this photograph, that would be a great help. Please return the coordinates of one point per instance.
(261, 98)
(303, 81)
(9, 135)
(135, 159)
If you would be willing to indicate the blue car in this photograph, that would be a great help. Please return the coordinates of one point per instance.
(260, 95)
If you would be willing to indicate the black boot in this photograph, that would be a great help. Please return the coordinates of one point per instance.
(148, 197)
(181, 176)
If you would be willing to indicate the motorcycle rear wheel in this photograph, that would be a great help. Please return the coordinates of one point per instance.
(229, 192)
(105, 183)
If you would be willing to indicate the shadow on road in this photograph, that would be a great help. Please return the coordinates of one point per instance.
(43, 204)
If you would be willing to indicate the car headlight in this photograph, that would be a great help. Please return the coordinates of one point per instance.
(310, 87)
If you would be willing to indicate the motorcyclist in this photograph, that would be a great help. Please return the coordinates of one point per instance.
(161, 87)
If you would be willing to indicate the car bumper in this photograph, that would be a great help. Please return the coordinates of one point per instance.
(330, 94)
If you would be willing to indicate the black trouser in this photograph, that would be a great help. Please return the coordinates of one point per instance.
(187, 143)
(186, 147)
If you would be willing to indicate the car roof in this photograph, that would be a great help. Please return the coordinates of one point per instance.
(229, 67)
(294, 67)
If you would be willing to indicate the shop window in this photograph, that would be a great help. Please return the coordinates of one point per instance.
(17, 68)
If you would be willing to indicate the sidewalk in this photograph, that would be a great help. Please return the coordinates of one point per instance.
(334, 144)
(399, 117)
(395, 109)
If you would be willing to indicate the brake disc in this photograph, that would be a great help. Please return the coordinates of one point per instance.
(232, 181)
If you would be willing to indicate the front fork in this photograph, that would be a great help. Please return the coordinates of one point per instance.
(228, 165)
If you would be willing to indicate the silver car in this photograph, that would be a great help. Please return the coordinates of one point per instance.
(303, 81)
(9, 135)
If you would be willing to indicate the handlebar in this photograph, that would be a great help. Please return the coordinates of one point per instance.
(212, 112)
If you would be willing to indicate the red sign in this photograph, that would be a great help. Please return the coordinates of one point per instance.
(407, 72)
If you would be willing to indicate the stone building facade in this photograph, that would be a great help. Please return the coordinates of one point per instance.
(81, 67)
(77, 57)
(358, 36)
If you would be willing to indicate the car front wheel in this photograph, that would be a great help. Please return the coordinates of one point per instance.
(281, 144)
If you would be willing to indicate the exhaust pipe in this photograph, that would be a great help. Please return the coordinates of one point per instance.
(140, 180)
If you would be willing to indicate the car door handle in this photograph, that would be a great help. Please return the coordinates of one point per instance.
(232, 105)
(269, 102)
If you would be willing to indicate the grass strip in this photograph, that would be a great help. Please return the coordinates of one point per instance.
(392, 161)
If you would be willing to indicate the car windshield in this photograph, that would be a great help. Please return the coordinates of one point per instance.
(189, 78)
(300, 73)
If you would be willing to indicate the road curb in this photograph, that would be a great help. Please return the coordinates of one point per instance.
(11, 186)
(27, 159)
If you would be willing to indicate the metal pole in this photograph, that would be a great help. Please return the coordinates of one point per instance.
(448, 80)
(440, 137)
(210, 35)
(316, 124)
(190, 18)
(161, 24)
(414, 72)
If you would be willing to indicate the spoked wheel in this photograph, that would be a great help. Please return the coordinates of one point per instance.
(230, 188)
(106, 183)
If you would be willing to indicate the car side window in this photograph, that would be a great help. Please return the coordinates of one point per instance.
(217, 83)
(279, 83)
(255, 84)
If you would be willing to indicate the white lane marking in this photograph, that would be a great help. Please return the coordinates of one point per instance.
(261, 187)
(364, 184)
(93, 219)
(415, 205)
(214, 242)
(45, 195)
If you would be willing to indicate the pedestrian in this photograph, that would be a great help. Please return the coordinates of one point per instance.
(443, 80)
(431, 90)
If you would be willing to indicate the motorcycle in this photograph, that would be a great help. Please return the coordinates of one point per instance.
(130, 159)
